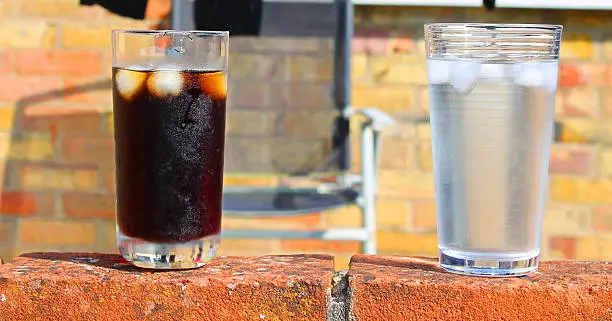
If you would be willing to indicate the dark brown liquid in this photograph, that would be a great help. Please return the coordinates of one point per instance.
(169, 138)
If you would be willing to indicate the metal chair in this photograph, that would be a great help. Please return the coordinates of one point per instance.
(312, 146)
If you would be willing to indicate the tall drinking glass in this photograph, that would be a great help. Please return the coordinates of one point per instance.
(169, 93)
(492, 92)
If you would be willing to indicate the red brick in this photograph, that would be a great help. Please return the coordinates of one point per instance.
(370, 41)
(571, 160)
(15, 88)
(78, 286)
(57, 62)
(321, 245)
(570, 75)
(6, 62)
(89, 205)
(562, 246)
(401, 288)
(19, 203)
(89, 150)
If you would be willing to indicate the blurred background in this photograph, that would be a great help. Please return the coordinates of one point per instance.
(56, 143)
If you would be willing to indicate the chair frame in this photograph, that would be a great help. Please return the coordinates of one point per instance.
(371, 129)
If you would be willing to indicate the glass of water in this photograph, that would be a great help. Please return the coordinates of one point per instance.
(492, 94)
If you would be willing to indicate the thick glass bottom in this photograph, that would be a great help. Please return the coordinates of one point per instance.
(488, 265)
(150, 255)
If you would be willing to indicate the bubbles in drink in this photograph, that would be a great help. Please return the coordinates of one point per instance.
(165, 83)
(129, 82)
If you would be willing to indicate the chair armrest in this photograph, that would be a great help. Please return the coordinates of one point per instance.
(376, 117)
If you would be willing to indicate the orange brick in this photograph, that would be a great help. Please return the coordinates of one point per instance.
(410, 244)
(345, 217)
(253, 247)
(7, 113)
(359, 68)
(309, 68)
(88, 91)
(425, 156)
(389, 71)
(23, 33)
(320, 245)
(34, 147)
(106, 237)
(58, 9)
(602, 218)
(396, 154)
(58, 62)
(581, 190)
(232, 180)
(596, 247)
(396, 99)
(58, 119)
(15, 88)
(7, 230)
(392, 214)
(89, 205)
(578, 101)
(88, 150)
(424, 215)
(410, 184)
(577, 45)
(63, 178)
(401, 44)
(83, 35)
(53, 232)
(567, 219)
(301, 222)
(108, 180)
(6, 62)
(17, 203)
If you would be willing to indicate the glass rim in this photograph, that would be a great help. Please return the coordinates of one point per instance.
(467, 25)
(209, 33)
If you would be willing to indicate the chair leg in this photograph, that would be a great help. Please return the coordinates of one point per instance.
(369, 151)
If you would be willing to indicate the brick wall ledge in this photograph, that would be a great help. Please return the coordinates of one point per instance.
(88, 286)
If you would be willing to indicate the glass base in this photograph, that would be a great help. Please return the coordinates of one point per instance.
(150, 255)
(454, 262)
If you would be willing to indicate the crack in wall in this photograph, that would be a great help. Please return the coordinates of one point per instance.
(338, 308)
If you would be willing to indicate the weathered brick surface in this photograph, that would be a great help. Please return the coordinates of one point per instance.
(83, 286)
(397, 288)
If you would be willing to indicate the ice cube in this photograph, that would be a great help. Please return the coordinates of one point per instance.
(530, 75)
(438, 71)
(214, 85)
(165, 83)
(551, 74)
(128, 82)
(463, 75)
(493, 71)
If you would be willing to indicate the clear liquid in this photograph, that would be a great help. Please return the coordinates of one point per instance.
(492, 130)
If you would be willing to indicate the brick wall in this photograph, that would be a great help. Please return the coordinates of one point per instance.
(56, 142)
(56, 145)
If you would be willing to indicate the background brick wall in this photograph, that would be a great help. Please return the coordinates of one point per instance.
(56, 130)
